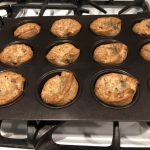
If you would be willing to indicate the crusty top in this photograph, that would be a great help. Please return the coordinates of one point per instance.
(142, 28)
(27, 30)
(116, 89)
(60, 89)
(106, 26)
(145, 52)
(16, 54)
(112, 53)
(65, 27)
(63, 54)
(11, 86)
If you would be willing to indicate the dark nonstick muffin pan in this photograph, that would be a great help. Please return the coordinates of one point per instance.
(85, 106)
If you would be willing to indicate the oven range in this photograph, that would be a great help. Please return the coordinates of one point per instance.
(72, 135)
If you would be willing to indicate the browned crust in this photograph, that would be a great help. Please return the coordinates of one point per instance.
(16, 54)
(116, 89)
(11, 86)
(142, 27)
(106, 26)
(145, 52)
(60, 90)
(27, 30)
(65, 27)
(63, 54)
(110, 54)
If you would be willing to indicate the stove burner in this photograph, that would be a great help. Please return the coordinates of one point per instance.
(136, 3)
(69, 5)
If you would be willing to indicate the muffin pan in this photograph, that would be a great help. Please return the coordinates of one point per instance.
(85, 106)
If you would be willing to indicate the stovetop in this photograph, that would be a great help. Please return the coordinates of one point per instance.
(76, 133)
(22, 8)
(95, 134)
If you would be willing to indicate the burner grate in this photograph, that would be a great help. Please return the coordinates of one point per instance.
(75, 5)
(128, 4)
(7, 8)
(44, 141)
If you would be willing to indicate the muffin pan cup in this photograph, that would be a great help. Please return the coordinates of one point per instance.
(44, 79)
(85, 106)
(101, 73)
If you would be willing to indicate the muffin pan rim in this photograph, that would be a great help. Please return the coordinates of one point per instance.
(65, 38)
(22, 23)
(103, 36)
(59, 42)
(106, 71)
(43, 79)
(19, 42)
(107, 41)
(19, 98)
(143, 43)
(138, 21)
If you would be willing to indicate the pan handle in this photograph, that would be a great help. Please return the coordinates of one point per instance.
(1, 22)
(46, 143)
(20, 143)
